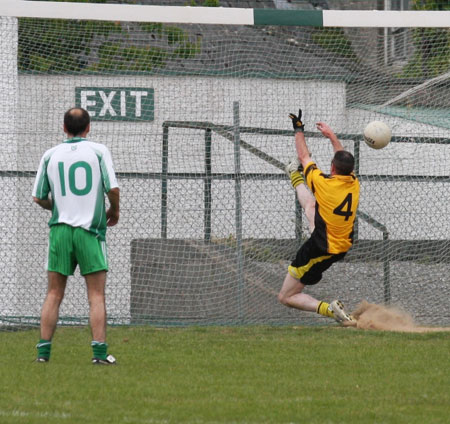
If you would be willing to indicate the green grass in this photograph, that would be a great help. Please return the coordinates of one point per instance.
(228, 375)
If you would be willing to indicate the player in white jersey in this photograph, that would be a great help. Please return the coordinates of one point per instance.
(77, 174)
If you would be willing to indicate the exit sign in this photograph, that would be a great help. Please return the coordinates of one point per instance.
(117, 103)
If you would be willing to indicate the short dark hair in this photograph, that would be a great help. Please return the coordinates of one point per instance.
(344, 162)
(76, 120)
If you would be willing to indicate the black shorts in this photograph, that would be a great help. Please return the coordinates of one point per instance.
(310, 263)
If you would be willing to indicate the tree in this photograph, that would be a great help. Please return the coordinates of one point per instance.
(432, 45)
(57, 45)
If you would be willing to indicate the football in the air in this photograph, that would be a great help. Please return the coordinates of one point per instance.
(377, 134)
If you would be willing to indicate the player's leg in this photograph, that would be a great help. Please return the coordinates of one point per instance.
(92, 259)
(307, 201)
(95, 284)
(60, 264)
(291, 295)
(307, 269)
(299, 275)
(50, 313)
(50, 308)
(335, 309)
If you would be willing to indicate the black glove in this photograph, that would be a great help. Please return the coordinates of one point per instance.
(298, 125)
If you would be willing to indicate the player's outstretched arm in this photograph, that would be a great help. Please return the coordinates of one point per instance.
(328, 133)
(300, 142)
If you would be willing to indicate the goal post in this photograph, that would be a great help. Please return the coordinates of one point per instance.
(226, 16)
(193, 104)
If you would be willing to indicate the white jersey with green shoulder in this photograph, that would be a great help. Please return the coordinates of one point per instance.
(78, 173)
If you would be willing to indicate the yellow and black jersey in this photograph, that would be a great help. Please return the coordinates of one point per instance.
(337, 199)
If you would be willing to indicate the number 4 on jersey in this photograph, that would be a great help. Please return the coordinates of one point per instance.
(345, 208)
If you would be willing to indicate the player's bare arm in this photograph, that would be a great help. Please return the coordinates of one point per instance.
(329, 133)
(112, 214)
(300, 142)
(44, 203)
(302, 149)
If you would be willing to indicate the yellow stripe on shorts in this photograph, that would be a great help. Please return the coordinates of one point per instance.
(299, 272)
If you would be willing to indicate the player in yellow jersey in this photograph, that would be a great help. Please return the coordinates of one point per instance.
(330, 206)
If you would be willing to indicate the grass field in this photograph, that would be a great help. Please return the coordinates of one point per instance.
(229, 375)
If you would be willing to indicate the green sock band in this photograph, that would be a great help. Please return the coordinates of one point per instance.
(99, 349)
(44, 348)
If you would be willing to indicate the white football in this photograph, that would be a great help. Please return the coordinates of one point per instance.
(377, 134)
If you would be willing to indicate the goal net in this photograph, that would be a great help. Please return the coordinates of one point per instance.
(193, 104)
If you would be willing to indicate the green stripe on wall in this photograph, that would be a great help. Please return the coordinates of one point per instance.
(288, 17)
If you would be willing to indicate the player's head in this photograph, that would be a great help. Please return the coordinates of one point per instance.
(343, 162)
(76, 121)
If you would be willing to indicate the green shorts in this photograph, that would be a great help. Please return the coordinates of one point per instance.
(72, 246)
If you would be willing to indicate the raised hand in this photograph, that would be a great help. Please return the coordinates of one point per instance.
(298, 125)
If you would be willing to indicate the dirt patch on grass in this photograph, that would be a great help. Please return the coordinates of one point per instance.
(370, 316)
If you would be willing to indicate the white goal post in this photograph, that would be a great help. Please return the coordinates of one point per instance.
(225, 16)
